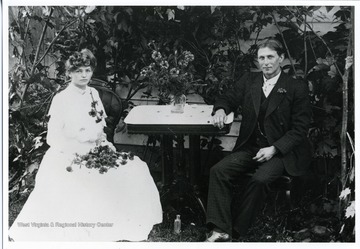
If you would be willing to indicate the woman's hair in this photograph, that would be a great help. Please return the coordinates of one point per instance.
(84, 58)
(272, 44)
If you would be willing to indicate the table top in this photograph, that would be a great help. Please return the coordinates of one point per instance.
(196, 119)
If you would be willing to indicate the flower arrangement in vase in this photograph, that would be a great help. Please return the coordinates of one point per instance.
(172, 74)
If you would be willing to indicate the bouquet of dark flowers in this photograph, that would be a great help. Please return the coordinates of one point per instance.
(171, 74)
(103, 158)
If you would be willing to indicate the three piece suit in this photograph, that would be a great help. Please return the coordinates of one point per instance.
(281, 119)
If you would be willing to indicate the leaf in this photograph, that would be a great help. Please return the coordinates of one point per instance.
(352, 174)
(17, 158)
(107, 49)
(326, 149)
(344, 193)
(33, 167)
(25, 13)
(329, 8)
(89, 9)
(332, 72)
(46, 10)
(322, 61)
(171, 14)
(350, 210)
(38, 142)
(19, 50)
(37, 18)
(181, 7)
(126, 79)
(51, 24)
(26, 190)
(90, 21)
(342, 228)
(320, 67)
(129, 11)
(212, 8)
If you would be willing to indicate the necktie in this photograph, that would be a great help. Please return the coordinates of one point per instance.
(267, 87)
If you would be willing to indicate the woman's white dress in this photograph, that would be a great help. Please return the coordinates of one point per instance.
(84, 205)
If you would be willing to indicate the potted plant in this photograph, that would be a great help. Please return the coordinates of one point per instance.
(171, 74)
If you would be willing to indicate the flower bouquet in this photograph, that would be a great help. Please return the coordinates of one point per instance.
(172, 74)
(103, 158)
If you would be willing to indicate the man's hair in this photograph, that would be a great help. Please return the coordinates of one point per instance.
(84, 58)
(272, 44)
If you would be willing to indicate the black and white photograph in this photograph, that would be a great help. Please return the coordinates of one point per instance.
(179, 123)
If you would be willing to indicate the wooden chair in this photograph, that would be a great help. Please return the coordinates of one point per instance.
(112, 103)
(281, 185)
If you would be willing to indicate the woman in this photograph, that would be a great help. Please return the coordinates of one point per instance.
(72, 202)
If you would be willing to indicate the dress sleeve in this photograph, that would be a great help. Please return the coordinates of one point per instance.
(56, 122)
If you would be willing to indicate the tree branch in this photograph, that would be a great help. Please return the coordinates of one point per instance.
(286, 47)
(40, 42)
(321, 39)
(344, 122)
(54, 40)
(45, 53)
(36, 56)
(305, 50)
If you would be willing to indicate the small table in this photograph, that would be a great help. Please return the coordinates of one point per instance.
(195, 121)
(179, 196)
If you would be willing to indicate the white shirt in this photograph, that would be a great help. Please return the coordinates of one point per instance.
(269, 84)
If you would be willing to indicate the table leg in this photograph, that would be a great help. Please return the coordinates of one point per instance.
(195, 159)
(167, 159)
(181, 160)
(182, 196)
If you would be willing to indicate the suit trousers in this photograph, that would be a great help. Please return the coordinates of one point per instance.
(225, 174)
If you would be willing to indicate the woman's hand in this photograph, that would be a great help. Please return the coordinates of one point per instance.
(219, 118)
(103, 142)
(101, 139)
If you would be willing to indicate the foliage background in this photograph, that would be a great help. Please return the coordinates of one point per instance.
(41, 38)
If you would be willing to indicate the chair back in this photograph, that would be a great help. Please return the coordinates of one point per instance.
(112, 104)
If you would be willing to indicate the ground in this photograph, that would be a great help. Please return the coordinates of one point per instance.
(307, 222)
(313, 216)
(301, 224)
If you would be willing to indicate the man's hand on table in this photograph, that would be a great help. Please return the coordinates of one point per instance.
(219, 118)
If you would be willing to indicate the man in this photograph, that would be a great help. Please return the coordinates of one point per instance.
(272, 141)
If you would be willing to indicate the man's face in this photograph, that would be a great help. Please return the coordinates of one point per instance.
(269, 62)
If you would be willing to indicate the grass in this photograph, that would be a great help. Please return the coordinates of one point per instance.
(282, 225)
(301, 224)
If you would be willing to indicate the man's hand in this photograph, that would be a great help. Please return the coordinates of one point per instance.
(219, 118)
(265, 154)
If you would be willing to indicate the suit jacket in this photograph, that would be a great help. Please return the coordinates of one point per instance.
(287, 118)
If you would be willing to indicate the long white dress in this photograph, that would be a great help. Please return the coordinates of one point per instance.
(84, 205)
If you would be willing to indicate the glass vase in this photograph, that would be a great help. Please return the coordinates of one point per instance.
(178, 103)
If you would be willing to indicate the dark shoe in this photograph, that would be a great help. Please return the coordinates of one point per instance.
(218, 237)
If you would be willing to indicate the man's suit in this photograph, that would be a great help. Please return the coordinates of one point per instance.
(284, 121)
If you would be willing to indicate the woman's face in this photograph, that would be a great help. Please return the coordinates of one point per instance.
(81, 76)
(269, 62)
